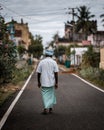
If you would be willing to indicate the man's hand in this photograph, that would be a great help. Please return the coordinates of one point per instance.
(56, 86)
(39, 84)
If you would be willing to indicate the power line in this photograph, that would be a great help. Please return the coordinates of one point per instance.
(12, 11)
(44, 12)
(49, 10)
(39, 13)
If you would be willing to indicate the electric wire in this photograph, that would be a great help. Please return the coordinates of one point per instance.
(55, 15)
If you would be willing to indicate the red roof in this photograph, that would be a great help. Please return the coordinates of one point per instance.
(85, 42)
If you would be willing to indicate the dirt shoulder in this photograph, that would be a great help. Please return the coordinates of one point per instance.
(7, 94)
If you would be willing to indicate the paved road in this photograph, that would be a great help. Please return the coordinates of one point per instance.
(79, 107)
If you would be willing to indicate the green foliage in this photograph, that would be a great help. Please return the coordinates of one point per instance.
(67, 52)
(3, 29)
(36, 48)
(90, 73)
(95, 75)
(21, 49)
(90, 58)
(84, 23)
(7, 60)
(60, 50)
(22, 74)
(31, 37)
(101, 76)
(90, 67)
(8, 55)
(38, 39)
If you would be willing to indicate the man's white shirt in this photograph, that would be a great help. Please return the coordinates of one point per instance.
(47, 67)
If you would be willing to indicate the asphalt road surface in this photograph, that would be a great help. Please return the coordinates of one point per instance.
(79, 107)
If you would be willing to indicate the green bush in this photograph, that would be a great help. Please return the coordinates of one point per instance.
(8, 54)
(7, 60)
(90, 58)
(95, 75)
(22, 74)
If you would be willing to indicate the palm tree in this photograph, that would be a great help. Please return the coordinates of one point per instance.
(84, 24)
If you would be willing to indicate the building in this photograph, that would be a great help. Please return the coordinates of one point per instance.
(102, 58)
(71, 35)
(76, 39)
(19, 33)
(97, 39)
(72, 38)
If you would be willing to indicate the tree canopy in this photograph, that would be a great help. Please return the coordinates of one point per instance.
(84, 22)
(8, 54)
(36, 48)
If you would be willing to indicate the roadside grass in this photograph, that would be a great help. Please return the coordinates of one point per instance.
(20, 76)
(5, 92)
(93, 75)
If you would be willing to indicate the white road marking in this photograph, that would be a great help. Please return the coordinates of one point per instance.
(86, 81)
(4, 118)
(89, 83)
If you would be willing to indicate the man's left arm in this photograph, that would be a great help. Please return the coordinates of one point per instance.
(38, 78)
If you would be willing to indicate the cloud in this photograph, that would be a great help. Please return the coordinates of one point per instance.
(46, 17)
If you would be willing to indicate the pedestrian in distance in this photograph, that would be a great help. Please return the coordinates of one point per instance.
(47, 77)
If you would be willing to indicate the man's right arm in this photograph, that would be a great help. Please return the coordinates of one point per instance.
(56, 79)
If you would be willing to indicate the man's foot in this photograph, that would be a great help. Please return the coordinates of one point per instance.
(50, 110)
(45, 112)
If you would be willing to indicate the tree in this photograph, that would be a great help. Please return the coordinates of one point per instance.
(68, 52)
(84, 23)
(31, 37)
(36, 48)
(8, 54)
(21, 49)
(60, 50)
(38, 39)
(90, 58)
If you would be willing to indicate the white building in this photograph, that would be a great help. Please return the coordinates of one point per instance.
(77, 58)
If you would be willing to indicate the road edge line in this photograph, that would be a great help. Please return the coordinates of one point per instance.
(92, 85)
(7, 113)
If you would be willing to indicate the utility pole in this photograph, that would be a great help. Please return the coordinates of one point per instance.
(1, 9)
(73, 24)
(72, 12)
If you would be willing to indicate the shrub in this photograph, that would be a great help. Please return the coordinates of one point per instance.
(22, 74)
(95, 75)
(8, 55)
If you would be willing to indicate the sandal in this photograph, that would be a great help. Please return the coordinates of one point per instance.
(45, 112)
(50, 110)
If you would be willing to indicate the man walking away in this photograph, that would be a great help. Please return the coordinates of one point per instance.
(47, 76)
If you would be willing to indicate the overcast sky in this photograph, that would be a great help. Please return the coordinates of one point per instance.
(47, 17)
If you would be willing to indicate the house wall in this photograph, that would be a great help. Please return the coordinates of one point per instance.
(97, 39)
(78, 55)
(25, 33)
(68, 44)
(102, 58)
